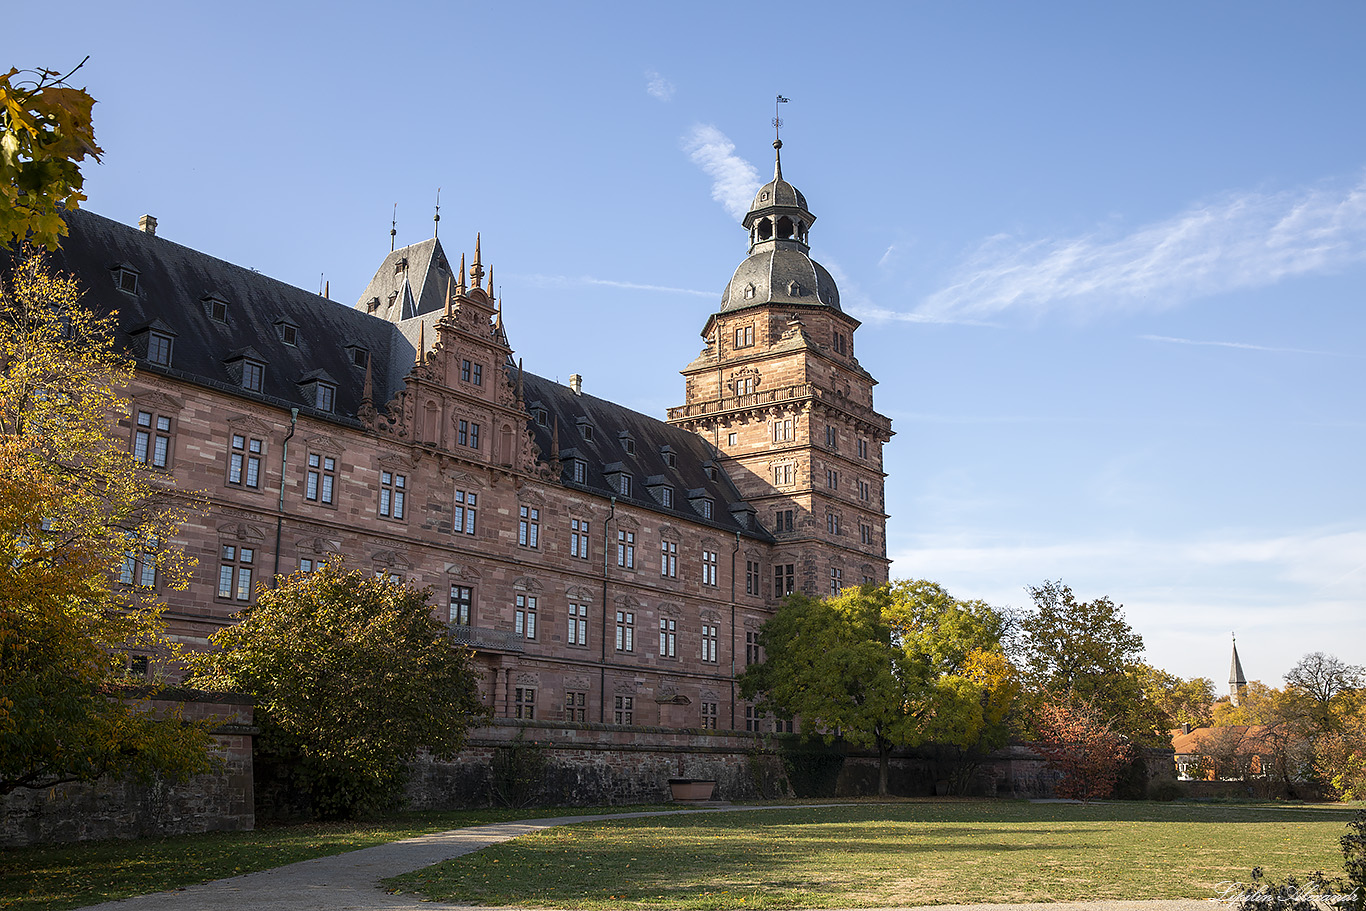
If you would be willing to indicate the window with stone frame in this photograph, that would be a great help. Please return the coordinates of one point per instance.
(752, 577)
(466, 512)
(784, 475)
(832, 479)
(524, 617)
(626, 631)
(524, 702)
(235, 567)
(862, 448)
(139, 569)
(668, 559)
(865, 491)
(253, 375)
(709, 715)
(528, 526)
(836, 580)
(152, 439)
(709, 642)
(832, 523)
(462, 605)
(783, 431)
(744, 336)
(244, 461)
(626, 549)
(576, 633)
(467, 433)
(578, 538)
(575, 705)
(753, 653)
(325, 397)
(832, 437)
(623, 710)
(306, 565)
(752, 718)
(708, 567)
(320, 479)
(579, 471)
(393, 494)
(865, 533)
(668, 637)
(784, 579)
(783, 520)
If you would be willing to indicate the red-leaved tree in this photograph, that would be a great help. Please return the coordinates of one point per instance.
(1080, 742)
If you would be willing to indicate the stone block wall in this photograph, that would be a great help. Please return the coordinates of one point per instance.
(221, 800)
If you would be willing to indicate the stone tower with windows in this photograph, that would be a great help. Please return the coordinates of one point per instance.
(780, 394)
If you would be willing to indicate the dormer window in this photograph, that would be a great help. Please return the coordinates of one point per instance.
(325, 397)
(401, 266)
(253, 375)
(126, 278)
(701, 502)
(585, 429)
(579, 471)
(670, 457)
(217, 307)
(539, 414)
(711, 472)
(666, 496)
(159, 349)
(372, 305)
(289, 333)
(627, 442)
(704, 506)
(358, 356)
(624, 484)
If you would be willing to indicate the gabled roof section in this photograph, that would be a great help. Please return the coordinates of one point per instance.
(605, 454)
(413, 278)
(173, 280)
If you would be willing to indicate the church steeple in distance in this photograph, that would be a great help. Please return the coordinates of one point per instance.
(1237, 682)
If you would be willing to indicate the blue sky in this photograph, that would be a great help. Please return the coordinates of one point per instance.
(1109, 257)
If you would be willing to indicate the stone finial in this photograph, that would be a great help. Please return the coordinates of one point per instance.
(421, 341)
(477, 269)
(555, 438)
(367, 396)
(449, 281)
(462, 273)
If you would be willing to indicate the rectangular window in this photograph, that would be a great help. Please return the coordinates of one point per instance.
(305, 565)
(626, 549)
(326, 397)
(623, 710)
(474, 435)
(524, 620)
(575, 705)
(234, 572)
(864, 491)
(159, 349)
(466, 508)
(524, 702)
(253, 374)
(751, 577)
(783, 520)
(139, 569)
(467, 434)
(832, 523)
(752, 653)
(668, 559)
(863, 449)
(666, 496)
(580, 471)
(152, 439)
(321, 479)
(865, 533)
(478, 380)
(783, 475)
(751, 720)
(708, 567)
(391, 494)
(709, 715)
(244, 461)
(782, 431)
(836, 580)
(744, 336)
(578, 625)
(732, 439)
(529, 526)
(709, 643)
(626, 631)
(668, 638)
(578, 538)
(704, 506)
(464, 371)
(832, 437)
(624, 484)
(832, 479)
(784, 581)
(462, 604)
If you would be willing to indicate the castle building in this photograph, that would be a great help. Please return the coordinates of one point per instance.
(605, 566)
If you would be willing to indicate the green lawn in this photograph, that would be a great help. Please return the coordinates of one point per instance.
(906, 853)
(69, 876)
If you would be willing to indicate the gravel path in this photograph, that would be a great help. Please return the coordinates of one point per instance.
(350, 881)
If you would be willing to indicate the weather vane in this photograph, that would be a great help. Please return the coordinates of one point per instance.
(778, 121)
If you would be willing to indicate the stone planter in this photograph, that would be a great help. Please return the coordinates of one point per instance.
(695, 789)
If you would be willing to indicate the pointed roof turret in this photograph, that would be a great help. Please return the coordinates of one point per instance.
(477, 269)
(1235, 670)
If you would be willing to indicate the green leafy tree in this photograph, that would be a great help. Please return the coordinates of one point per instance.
(85, 549)
(45, 132)
(352, 676)
(1327, 687)
(1181, 701)
(882, 667)
(1085, 653)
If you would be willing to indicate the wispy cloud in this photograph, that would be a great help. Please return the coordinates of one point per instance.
(658, 86)
(734, 180)
(564, 281)
(1243, 240)
(856, 302)
(1240, 345)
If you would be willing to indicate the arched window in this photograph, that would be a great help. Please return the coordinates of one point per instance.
(785, 228)
(765, 229)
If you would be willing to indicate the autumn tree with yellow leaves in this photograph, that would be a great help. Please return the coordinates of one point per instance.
(85, 547)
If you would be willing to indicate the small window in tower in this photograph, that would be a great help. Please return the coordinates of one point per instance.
(765, 229)
(785, 228)
(542, 417)
(372, 305)
(126, 279)
(289, 334)
(359, 356)
(401, 266)
(218, 309)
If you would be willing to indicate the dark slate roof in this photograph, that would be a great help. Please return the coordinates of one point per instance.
(420, 284)
(173, 282)
(606, 451)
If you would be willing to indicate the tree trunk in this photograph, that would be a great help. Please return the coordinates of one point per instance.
(884, 756)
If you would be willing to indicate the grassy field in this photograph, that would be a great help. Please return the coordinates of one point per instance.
(69, 876)
(911, 853)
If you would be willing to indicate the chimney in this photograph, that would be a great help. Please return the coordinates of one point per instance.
(148, 223)
(576, 383)
(1185, 727)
